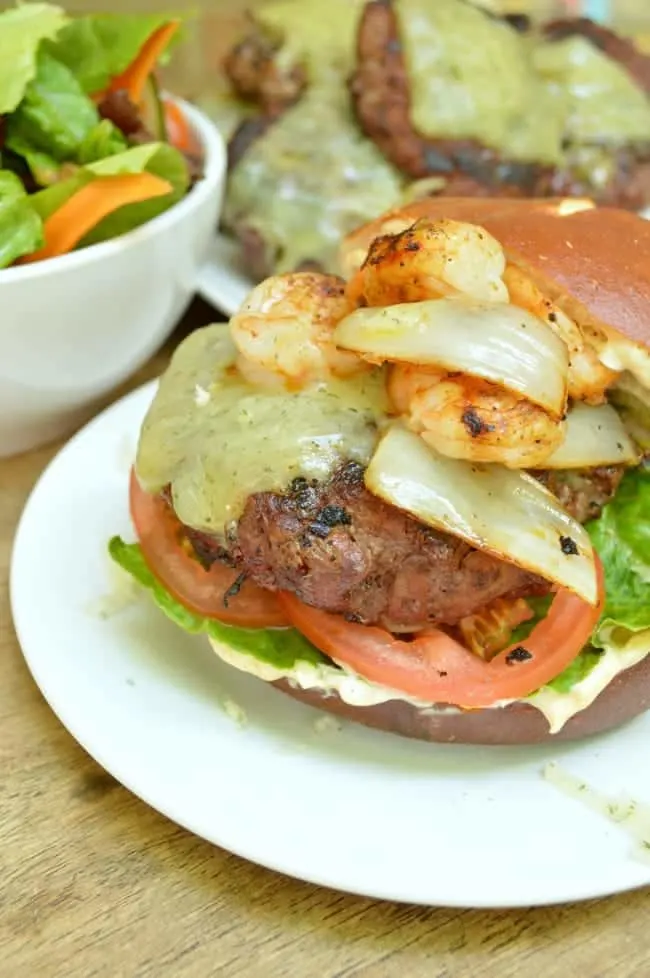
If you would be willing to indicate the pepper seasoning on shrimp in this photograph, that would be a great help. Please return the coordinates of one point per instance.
(284, 331)
(429, 259)
(470, 418)
(460, 415)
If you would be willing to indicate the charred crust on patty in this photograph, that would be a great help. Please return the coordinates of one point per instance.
(255, 74)
(619, 49)
(379, 87)
(380, 93)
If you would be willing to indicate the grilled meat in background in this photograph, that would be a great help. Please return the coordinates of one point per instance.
(511, 108)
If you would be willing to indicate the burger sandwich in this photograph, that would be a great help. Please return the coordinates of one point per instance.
(416, 496)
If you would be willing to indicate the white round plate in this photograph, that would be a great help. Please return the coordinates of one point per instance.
(345, 807)
(223, 280)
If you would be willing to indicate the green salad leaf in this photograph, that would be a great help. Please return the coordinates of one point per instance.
(158, 158)
(44, 169)
(577, 670)
(99, 47)
(21, 228)
(279, 647)
(621, 537)
(55, 115)
(22, 30)
(164, 161)
(104, 140)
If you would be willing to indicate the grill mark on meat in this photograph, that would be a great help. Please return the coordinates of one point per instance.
(375, 563)
(583, 492)
(474, 423)
(256, 76)
(617, 48)
(372, 563)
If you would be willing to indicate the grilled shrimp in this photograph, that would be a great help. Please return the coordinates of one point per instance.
(431, 259)
(283, 331)
(588, 377)
(465, 417)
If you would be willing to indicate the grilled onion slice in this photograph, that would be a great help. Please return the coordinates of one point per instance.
(594, 436)
(505, 512)
(497, 342)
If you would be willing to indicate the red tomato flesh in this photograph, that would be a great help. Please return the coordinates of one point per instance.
(201, 591)
(435, 668)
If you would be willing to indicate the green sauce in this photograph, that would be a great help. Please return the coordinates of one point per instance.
(312, 178)
(217, 439)
(473, 76)
(317, 34)
(603, 104)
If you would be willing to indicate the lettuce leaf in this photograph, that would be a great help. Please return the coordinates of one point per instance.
(22, 29)
(21, 228)
(44, 169)
(55, 115)
(164, 161)
(158, 158)
(281, 648)
(99, 47)
(104, 140)
(621, 537)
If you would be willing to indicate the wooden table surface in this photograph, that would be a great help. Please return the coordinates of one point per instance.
(94, 883)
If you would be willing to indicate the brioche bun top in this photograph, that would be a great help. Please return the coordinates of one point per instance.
(593, 262)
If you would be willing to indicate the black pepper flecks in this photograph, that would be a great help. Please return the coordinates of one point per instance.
(334, 516)
(353, 618)
(474, 423)
(520, 654)
(569, 546)
(234, 589)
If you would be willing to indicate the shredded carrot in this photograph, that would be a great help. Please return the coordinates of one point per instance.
(179, 133)
(134, 77)
(66, 227)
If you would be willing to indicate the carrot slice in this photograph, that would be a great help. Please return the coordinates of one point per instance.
(86, 208)
(134, 77)
(179, 133)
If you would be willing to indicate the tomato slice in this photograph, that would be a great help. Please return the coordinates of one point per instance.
(197, 589)
(435, 668)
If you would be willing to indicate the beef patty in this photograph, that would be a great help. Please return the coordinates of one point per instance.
(380, 91)
(257, 76)
(339, 548)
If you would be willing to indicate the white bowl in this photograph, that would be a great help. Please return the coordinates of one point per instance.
(73, 328)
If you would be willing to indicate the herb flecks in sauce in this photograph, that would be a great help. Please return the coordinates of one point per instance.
(472, 76)
(318, 35)
(309, 180)
(216, 452)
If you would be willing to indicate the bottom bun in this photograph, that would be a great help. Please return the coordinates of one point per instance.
(626, 697)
